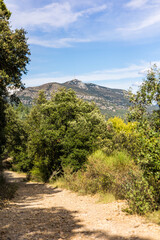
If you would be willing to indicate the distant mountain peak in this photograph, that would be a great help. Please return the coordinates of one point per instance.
(75, 80)
(77, 83)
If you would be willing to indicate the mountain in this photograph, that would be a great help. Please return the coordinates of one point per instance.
(110, 101)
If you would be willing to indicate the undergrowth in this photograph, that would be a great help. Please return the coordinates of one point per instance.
(154, 217)
(113, 177)
(101, 173)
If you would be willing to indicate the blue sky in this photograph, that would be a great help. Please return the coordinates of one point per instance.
(107, 42)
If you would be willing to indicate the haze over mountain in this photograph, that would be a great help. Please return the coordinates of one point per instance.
(110, 101)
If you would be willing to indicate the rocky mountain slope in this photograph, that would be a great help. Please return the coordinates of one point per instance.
(110, 101)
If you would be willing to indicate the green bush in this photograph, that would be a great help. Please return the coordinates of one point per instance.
(123, 136)
(16, 140)
(40, 171)
(116, 174)
(154, 217)
(102, 173)
(141, 140)
(140, 196)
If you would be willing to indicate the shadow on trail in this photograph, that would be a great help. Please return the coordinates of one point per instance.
(21, 221)
(49, 224)
(34, 192)
(30, 191)
(10, 178)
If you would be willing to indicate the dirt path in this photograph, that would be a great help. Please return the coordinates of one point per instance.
(41, 212)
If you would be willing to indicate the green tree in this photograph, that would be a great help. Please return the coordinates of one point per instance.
(62, 132)
(148, 93)
(14, 56)
(148, 123)
(22, 110)
(148, 127)
(16, 139)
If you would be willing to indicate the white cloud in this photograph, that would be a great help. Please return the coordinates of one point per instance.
(122, 76)
(12, 7)
(57, 43)
(142, 4)
(144, 20)
(66, 22)
(55, 15)
(59, 24)
(136, 3)
(113, 74)
(137, 84)
(153, 19)
(142, 24)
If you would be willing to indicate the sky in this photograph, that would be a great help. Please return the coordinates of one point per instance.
(111, 43)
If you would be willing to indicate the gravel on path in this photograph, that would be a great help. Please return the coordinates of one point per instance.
(42, 212)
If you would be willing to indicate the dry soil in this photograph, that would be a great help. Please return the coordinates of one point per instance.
(41, 212)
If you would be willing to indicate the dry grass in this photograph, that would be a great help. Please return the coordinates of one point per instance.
(154, 217)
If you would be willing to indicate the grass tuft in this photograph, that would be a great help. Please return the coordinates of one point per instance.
(154, 217)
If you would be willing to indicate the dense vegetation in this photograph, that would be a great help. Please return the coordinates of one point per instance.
(14, 56)
(58, 132)
(65, 137)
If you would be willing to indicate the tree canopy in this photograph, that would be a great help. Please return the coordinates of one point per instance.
(14, 56)
(4, 12)
(61, 132)
(14, 53)
(147, 95)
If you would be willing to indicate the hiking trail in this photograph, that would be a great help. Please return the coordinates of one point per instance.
(41, 212)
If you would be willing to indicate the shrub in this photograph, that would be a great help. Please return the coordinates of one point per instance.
(124, 136)
(40, 171)
(140, 196)
(120, 126)
(154, 217)
(102, 173)
(116, 174)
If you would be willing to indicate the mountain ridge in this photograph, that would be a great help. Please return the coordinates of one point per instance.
(107, 99)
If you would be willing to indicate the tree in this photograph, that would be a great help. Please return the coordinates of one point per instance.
(148, 126)
(149, 93)
(62, 131)
(14, 53)
(16, 139)
(14, 56)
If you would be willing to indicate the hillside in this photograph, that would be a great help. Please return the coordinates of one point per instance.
(110, 101)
